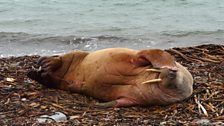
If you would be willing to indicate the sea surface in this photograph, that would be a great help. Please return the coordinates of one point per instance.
(47, 27)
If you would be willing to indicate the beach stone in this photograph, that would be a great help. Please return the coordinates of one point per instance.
(146, 122)
(2, 116)
(218, 123)
(28, 81)
(23, 99)
(44, 119)
(57, 117)
(163, 123)
(203, 122)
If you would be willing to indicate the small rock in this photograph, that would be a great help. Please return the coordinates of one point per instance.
(203, 122)
(57, 117)
(218, 123)
(163, 123)
(10, 79)
(23, 99)
(28, 81)
(2, 116)
(146, 122)
(44, 119)
(14, 64)
(205, 73)
(78, 116)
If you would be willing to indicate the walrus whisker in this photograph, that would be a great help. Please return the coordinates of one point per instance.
(37, 69)
(152, 81)
(153, 70)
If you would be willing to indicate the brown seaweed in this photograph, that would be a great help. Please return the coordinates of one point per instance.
(23, 100)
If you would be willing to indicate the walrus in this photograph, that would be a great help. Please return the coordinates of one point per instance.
(119, 77)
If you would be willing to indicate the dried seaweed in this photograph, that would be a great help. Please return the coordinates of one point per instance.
(23, 100)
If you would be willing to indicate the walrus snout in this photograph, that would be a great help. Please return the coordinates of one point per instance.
(167, 73)
(180, 78)
(172, 74)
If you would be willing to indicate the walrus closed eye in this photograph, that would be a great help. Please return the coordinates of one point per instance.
(121, 77)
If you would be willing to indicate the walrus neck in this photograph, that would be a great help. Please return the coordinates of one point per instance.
(74, 67)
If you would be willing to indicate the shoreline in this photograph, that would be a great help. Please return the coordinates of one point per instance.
(19, 44)
(23, 99)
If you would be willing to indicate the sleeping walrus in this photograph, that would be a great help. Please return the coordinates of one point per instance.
(118, 76)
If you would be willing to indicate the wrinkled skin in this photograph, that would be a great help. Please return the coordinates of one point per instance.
(119, 76)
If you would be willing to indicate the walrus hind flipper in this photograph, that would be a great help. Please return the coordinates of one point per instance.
(51, 63)
(52, 69)
(35, 75)
(121, 102)
(44, 74)
(48, 80)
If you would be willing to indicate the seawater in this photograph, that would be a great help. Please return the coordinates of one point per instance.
(48, 27)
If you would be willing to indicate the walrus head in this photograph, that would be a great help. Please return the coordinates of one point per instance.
(172, 76)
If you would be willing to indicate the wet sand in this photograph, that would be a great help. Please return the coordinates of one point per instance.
(22, 101)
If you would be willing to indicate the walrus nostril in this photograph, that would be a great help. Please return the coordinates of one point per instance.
(167, 73)
(172, 74)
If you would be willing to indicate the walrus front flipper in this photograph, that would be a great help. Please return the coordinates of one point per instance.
(158, 58)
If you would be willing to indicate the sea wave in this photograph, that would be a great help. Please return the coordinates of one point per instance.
(192, 33)
(19, 43)
(21, 36)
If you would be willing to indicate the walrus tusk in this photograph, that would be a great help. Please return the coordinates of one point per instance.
(152, 81)
(153, 70)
